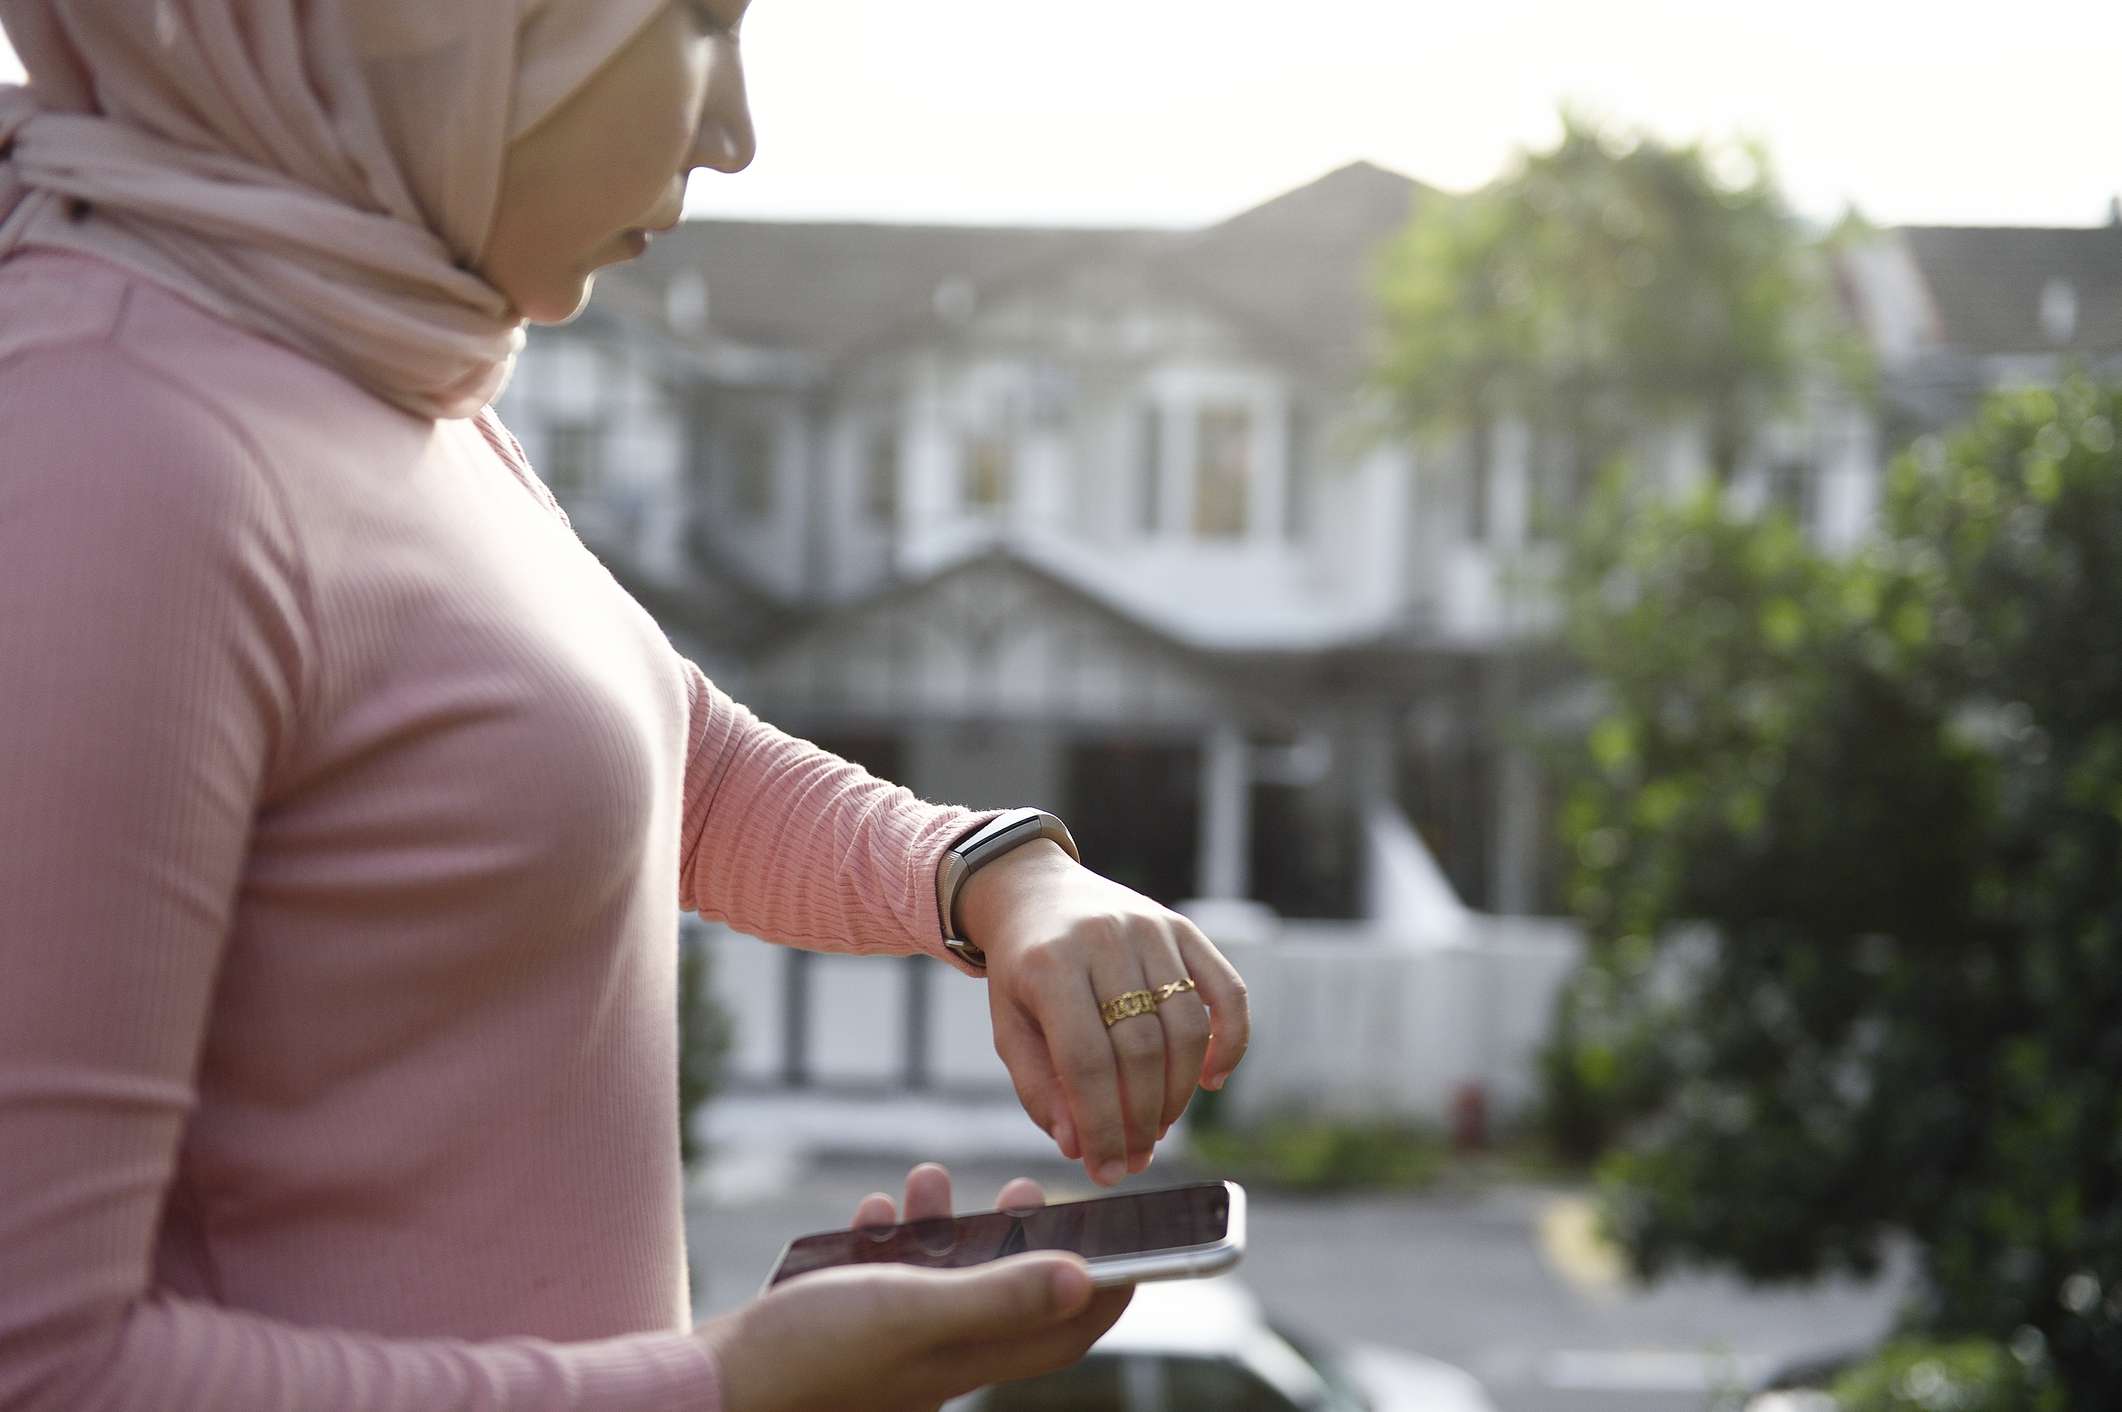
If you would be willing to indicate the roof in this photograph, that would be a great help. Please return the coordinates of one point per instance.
(1301, 262)
(822, 288)
(1293, 268)
(1988, 285)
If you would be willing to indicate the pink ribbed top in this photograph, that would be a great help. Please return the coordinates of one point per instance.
(347, 805)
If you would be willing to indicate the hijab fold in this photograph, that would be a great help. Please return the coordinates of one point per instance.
(322, 172)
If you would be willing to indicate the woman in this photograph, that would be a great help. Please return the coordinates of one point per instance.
(344, 797)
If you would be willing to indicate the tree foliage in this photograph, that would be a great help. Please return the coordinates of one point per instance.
(1848, 839)
(1969, 1375)
(1606, 285)
(705, 1034)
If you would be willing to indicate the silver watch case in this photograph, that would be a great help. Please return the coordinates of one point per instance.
(970, 854)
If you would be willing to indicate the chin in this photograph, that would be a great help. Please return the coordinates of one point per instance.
(560, 304)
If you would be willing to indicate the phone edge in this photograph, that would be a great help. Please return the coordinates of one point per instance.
(1173, 1265)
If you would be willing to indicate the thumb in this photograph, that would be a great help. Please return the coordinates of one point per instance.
(1006, 1297)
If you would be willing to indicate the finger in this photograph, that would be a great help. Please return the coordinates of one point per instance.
(1185, 1020)
(1020, 1194)
(1230, 1012)
(928, 1192)
(876, 1209)
(1089, 1074)
(1138, 1051)
(1023, 1049)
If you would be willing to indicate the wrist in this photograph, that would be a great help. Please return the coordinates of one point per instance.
(725, 1337)
(986, 898)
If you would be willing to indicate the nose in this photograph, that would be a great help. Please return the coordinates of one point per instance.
(725, 140)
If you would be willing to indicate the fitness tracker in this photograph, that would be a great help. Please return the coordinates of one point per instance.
(981, 847)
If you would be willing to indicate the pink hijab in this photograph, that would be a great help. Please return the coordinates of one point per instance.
(322, 172)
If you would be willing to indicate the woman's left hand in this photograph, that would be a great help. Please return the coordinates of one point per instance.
(1060, 942)
(928, 1198)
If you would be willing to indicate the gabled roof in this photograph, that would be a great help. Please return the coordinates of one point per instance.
(821, 288)
(991, 633)
(1294, 268)
(1987, 284)
(1301, 262)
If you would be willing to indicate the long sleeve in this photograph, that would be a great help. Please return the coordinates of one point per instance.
(783, 839)
(790, 842)
(155, 650)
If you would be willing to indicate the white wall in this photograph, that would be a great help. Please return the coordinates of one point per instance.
(1344, 1021)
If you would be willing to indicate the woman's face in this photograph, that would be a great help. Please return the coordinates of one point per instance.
(582, 188)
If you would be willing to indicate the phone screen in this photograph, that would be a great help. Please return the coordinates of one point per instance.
(1129, 1224)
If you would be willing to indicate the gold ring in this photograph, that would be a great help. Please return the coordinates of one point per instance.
(1134, 1002)
(1142, 1002)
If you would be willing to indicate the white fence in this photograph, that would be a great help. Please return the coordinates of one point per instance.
(1345, 1020)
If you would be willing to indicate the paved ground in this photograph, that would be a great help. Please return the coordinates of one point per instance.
(1501, 1282)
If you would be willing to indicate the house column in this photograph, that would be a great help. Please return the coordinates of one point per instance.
(928, 461)
(1226, 823)
(1515, 843)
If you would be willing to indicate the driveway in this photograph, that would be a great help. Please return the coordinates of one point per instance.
(1504, 1282)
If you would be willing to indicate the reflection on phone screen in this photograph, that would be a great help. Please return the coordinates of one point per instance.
(1103, 1226)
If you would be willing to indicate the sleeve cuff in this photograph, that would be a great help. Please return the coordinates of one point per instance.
(674, 1372)
(926, 859)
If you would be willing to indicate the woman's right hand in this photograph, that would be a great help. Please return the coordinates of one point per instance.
(897, 1338)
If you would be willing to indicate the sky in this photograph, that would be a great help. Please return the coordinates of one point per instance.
(1181, 112)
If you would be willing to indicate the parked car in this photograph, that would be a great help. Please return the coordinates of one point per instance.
(1800, 1384)
(1207, 1346)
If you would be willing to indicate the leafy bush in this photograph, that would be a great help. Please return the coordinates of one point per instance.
(1299, 1152)
(1889, 791)
(704, 1036)
(1972, 1375)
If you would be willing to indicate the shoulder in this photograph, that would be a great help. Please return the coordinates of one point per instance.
(87, 422)
(118, 471)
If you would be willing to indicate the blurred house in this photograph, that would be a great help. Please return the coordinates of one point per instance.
(1098, 519)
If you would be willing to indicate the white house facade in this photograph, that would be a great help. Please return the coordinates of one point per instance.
(1100, 520)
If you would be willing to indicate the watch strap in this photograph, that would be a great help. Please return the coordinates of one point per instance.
(981, 847)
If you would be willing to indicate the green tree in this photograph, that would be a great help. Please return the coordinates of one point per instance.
(704, 1037)
(1602, 287)
(1848, 840)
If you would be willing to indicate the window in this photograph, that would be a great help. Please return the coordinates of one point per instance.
(1790, 489)
(571, 452)
(1149, 467)
(1296, 489)
(1093, 1385)
(1222, 472)
(1481, 483)
(1558, 490)
(749, 469)
(880, 477)
(987, 471)
(1212, 1382)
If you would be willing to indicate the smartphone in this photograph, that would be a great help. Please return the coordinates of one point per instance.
(1127, 1238)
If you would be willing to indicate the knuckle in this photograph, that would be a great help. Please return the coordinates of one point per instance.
(1042, 963)
(1138, 1041)
(1084, 1069)
(1187, 1021)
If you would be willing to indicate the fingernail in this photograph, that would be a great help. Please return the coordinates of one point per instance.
(1111, 1170)
(1216, 1082)
(1137, 1162)
(1064, 1134)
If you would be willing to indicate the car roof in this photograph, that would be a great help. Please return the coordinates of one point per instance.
(1205, 1317)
